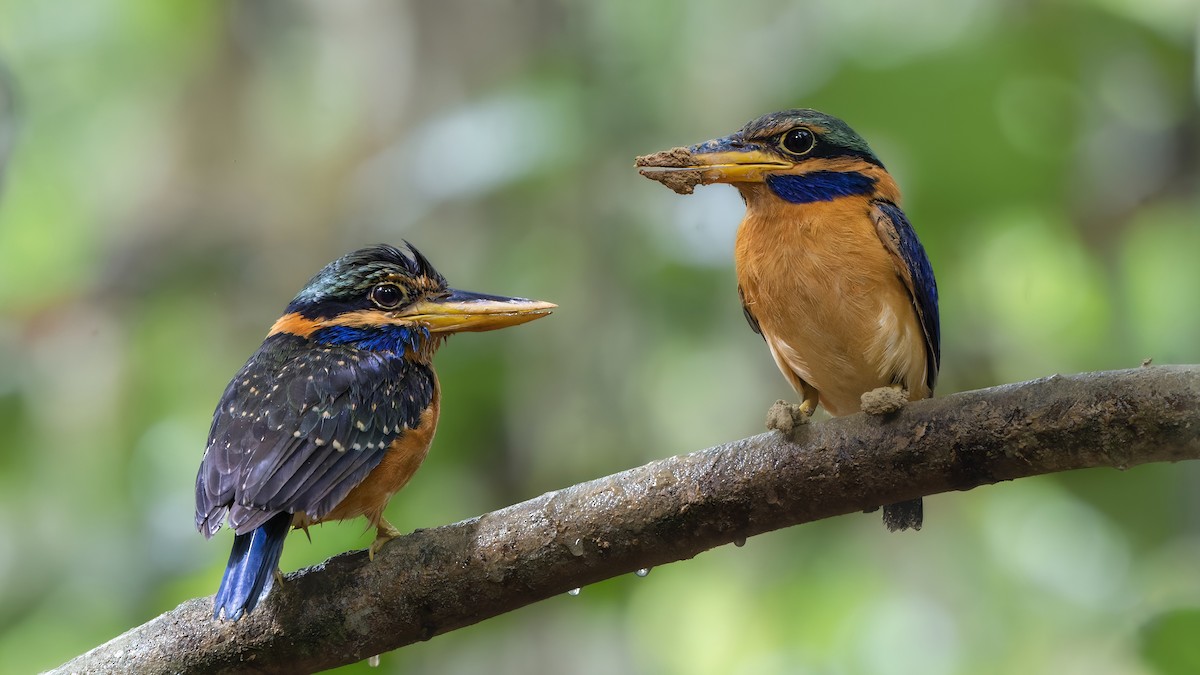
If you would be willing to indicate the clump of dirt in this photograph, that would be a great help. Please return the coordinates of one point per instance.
(681, 181)
(675, 157)
(787, 418)
(884, 400)
(667, 167)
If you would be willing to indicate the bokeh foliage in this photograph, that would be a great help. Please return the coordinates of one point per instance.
(179, 169)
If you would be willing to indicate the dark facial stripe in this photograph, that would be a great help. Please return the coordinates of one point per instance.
(826, 150)
(820, 186)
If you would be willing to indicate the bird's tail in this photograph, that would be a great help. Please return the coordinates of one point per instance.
(251, 567)
(903, 515)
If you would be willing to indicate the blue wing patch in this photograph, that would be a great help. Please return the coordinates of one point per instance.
(900, 238)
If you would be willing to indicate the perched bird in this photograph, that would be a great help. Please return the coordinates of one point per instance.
(829, 270)
(335, 411)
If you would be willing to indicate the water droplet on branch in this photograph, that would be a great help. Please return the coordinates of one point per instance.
(575, 546)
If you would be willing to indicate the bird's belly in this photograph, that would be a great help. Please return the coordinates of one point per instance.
(837, 317)
(403, 458)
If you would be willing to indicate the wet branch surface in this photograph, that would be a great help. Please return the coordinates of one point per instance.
(434, 581)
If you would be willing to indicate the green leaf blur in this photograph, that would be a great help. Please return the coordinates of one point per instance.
(1168, 645)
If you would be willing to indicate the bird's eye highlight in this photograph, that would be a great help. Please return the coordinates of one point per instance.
(387, 296)
(798, 141)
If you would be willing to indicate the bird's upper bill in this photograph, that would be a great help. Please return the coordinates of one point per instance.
(464, 311)
(722, 160)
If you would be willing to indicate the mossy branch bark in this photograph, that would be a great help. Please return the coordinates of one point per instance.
(434, 581)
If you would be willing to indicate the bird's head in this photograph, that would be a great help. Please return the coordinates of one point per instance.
(799, 155)
(382, 299)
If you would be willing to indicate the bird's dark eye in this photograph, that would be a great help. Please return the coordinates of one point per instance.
(387, 296)
(798, 141)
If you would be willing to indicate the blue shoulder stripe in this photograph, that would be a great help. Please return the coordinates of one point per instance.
(925, 293)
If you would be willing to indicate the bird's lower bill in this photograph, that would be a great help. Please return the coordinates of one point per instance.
(464, 311)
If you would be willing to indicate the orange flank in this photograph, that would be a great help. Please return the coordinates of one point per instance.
(403, 458)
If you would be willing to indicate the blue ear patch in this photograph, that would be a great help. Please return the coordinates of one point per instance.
(820, 186)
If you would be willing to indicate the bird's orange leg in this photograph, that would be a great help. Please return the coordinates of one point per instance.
(809, 405)
(384, 532)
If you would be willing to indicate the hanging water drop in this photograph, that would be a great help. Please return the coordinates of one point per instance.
(645, 571)
(574, 591)
(373, 661)
(739, 542)
(575, 546)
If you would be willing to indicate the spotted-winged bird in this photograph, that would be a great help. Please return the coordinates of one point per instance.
(335, 411)
(829, 270)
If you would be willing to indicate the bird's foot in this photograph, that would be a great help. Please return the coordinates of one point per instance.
(278, 577)
(384, 532)
(787, 418)
(884, 400)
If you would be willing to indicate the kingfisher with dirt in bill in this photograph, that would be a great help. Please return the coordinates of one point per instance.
(336, 410)
(829, 270)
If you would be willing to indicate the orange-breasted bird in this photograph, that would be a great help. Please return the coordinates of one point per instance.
(829, 270)
(335, 411)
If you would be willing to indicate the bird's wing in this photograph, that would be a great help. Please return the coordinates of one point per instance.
(750, 318)
(297, 433)
(913, 268)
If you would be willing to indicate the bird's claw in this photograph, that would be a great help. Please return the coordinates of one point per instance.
(384, 532)
(884, 400)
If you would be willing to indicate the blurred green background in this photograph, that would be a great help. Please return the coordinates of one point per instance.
(179, 169)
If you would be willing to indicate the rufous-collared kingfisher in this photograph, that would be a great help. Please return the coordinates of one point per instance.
(829, 270)
(336, 410)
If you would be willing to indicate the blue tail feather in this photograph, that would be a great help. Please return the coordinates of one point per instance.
(251, 567)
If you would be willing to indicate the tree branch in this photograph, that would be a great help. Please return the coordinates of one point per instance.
(434, 581)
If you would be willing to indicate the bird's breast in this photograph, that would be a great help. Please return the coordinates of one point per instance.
(828, 299)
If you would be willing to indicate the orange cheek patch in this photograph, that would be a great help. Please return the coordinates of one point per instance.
(294, 324)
